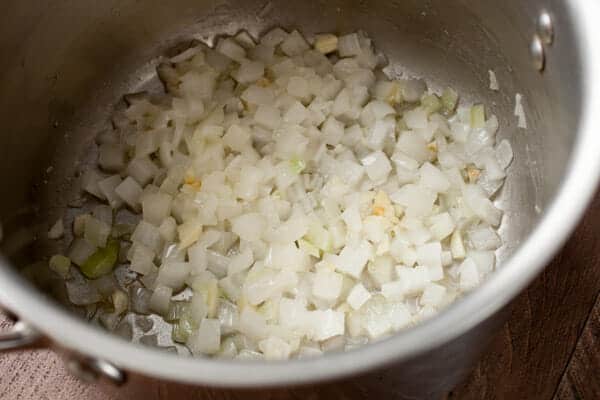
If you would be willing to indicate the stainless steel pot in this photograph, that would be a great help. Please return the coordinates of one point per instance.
(65, 63)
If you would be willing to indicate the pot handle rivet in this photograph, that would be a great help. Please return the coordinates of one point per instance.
(537, 53)
(92, 370)
(19, 336)
(545, 28)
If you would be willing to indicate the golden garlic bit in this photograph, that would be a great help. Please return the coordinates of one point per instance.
(382, 205)
(326, 43)
(433, 147)
(263, 82)
(395, 95)
(190, 180)
(473, 174)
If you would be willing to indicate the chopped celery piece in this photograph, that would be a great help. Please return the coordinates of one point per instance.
(183, 329)
(449, 100)
(297, 165)
(120, 301)
(181, 313)
(176, 310)
(431, 103)
(60, 264)
(477, 116)
(102, 261)
(209, 290)
(309, 248)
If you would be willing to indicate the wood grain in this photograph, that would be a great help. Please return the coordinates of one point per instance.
(582, 377)
(530, 355)
(543, 352)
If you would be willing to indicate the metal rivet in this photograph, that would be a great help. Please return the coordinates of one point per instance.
(81, 371)
(536, 50)
(91, 370)
(109, 371)
(545, 28)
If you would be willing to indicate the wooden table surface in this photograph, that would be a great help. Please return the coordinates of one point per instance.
(549, 349)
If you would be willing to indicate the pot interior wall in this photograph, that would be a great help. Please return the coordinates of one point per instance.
(65, 64)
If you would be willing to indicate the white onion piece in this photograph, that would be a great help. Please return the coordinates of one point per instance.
(96, 232)
(484, 238)
(157, 207)
(107, 188)
(433, 295)
(103, 213)
(79, 224)
(130, 192)
(231, 49)
(142, 170)
(520, 112)
(348, 45)
(504, 154)
(90, 183)
(249, 227)
(377, 166)
(57, 230)
(352, 259)
(173, 274)
(80, 251)
(249, 71)
(159, 301)
(493, 81)
(112, 157)
(294, 44)
(327, 285)
(468, 275)
(148, 235)
(142, 259)
(485, 261)
(275, 348)
(274, 37)
(207, 339)
(358, 296)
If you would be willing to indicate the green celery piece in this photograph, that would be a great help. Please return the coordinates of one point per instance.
(297, 165)
(176, 310)
(431, 103)
(477, 116)
(449, 100)
(103, 261)
(183, 329)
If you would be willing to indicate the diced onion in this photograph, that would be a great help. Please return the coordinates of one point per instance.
(60, 264)
(57, 230)
(286, 200)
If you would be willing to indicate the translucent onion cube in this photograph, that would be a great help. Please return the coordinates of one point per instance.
(207, 339)
(352, 259)
(377, 166)
(358, 296)
(433, 295)
(468, 275)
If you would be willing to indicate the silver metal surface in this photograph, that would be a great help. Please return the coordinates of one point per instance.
(545, 27)
(65, 63)
(93, 370)
(19, 336)
(538, 56)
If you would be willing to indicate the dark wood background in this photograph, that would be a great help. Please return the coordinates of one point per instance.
(549, 349)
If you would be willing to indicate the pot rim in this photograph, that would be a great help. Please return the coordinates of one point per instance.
(578, 187)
